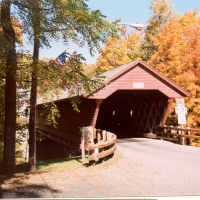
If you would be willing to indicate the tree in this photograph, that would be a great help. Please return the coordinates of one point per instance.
(8, 166)
(162, 12)
(178, 58)
(69, 19)
(33, 96)
(119, 51)
(4, 48)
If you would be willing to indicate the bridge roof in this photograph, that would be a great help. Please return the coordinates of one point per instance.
(136, 75)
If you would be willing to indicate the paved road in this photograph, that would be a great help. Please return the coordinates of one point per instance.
(145, 168)
(163, 168)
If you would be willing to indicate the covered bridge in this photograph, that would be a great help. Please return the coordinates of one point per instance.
(136, 100)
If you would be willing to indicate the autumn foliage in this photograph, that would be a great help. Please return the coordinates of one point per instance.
(118, 51)
(178, 57)
(170, 44)
(18, 31)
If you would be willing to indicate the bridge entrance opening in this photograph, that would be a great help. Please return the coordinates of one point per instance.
(129, 113)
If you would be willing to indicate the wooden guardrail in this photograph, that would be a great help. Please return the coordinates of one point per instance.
(177, 134)
(99, 143)
(67, 139)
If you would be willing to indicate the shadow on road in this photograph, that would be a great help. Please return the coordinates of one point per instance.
(14, 186)
(125, 140)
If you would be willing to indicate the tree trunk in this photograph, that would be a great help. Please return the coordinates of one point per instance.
(33, 101)
(33, 98)
(8, 166)
(32, 123)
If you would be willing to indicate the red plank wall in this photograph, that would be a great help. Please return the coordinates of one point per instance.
(71, 120)
(136, 75)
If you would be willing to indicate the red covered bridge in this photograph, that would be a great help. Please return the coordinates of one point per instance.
(136, 100)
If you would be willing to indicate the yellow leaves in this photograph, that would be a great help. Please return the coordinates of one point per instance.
(178, 57)
(161, 7)
(118, 51)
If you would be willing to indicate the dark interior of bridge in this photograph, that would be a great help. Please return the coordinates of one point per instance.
(128, 113)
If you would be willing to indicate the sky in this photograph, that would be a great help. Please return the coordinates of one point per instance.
(129, 11)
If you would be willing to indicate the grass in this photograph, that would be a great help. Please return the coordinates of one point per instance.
(66, 163)
(59, 164)
(53, 165)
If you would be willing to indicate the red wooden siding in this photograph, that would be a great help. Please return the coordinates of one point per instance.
(71, 120)
(142, 75)
(148, 102)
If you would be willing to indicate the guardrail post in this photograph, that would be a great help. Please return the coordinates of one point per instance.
(83, 147)
(188, 139)
(165, 130)
(170, 131)
(183, 138)
(99, 134)
(95, 135)
(91, 139)
(179, 138)
(104, 135)
(108, 135)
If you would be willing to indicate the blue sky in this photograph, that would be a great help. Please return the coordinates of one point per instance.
(129, 11)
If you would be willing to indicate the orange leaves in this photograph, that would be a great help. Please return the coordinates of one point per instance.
(18, 30)
(178, 56)
(178, 45)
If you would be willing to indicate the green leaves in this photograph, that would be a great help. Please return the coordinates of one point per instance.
(50, 113)
(70, 78)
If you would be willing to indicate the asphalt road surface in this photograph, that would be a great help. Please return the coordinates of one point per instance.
(163, 168)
